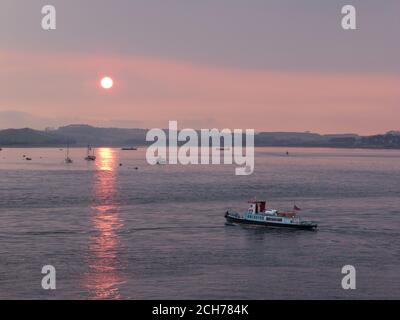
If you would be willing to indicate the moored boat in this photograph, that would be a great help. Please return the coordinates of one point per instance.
(161, 161)
(67, 158)
(90, 157)
(258, 214)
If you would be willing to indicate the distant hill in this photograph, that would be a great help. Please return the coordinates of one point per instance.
(85, 134)
(30, 137)
(77, 135)
(301, 139)
(82, 135)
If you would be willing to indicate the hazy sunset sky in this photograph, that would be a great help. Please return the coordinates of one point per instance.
(271, 65)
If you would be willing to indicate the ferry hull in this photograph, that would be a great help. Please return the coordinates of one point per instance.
(232, 219)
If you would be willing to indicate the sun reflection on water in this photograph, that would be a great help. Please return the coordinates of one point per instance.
(106, 159)
(104, 276)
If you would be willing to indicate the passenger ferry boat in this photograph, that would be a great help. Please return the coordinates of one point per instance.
(258, 214)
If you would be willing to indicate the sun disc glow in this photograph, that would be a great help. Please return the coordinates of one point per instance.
(107, 82)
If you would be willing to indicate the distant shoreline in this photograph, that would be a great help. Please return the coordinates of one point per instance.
(84, 135)
(145, 146)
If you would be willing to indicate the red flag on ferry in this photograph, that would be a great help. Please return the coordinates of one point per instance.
(296, 208)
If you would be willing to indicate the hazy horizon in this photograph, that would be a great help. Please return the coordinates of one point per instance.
(268, 65)
(41, 125)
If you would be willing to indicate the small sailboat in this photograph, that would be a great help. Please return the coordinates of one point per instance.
(67, 158)
(90, 157)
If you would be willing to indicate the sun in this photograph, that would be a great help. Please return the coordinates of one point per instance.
(107, 82)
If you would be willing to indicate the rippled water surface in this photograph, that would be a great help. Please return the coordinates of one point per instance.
(114, 232)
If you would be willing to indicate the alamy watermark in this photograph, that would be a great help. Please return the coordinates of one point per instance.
(49, 18)
(349, 280)
(349, 18)
(49, 280)
(348, 21)
(204, 146)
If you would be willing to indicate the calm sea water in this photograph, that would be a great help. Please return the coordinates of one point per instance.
(159, 231)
